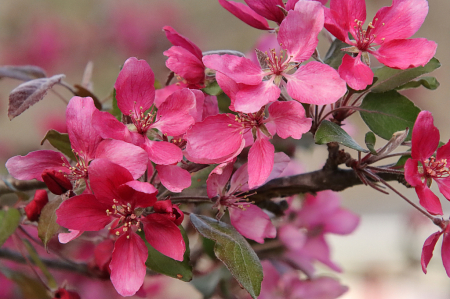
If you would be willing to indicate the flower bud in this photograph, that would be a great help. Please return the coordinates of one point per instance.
(56, 181)
(65, 294)
(172, 211)
(34, 208)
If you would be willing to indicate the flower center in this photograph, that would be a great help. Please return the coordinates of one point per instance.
(436, 169)
(127, 218)
(79, 170)
(278, 65)
(365, 37)
(140, 120)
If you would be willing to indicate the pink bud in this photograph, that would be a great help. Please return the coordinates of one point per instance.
(65, 294)
(56, 181)
(34, 208)
(168, 209)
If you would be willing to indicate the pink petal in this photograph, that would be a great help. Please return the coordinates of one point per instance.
(406, 53)
(137, 194)
(239, 69)
(260, 161)
(427, 250)
(318, 249)
(105, 178)
(245, 14)
(412, 175)
(173, 116)
(173, 177)
(163, 152)
(251, 98)
(425, 137)
(399, 21)
(280, 162)
(84, 139)
(135, 91)
(444, 186)
(128, 264)
(292, 237)
(164, 236)
(179, 40)
(270, 280)
(445, 253)
(355, 72)
(127, 155)
(109, 127)
(218, 178)
(103, 253)
(210, 106)
(197, 111)
(217, 139)
(163, 93)
(341, 222)
(298, 32)
(429, 200)
(443, 152)
(343, 15)
(32, 165)
(268, 9)
(239, 180)
(229, 87)
(84, 213)
(252, 223)
(185, 64)
(289, 118)
(321, 287)
(307, 84)
(64, 238)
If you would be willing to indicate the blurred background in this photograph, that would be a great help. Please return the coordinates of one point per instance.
(380, 260)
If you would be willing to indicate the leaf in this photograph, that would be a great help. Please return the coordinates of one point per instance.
(115, 111)
(334, 55)
(38, 262)
(402, 161)
(389, 79)
(83, 92)
(427, 82)
(207, 283)
(389, 112)
(29, 93)
(233, 250)
(163, 264)
(370, 140)
(9, 221)
(29, 288)
(22, 72)
(331, 132)
(213, 89)
(396, 140)
(60, 141)
(47, 226)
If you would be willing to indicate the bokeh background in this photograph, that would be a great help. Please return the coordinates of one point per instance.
(380, 260)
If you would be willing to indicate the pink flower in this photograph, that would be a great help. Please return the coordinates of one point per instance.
(425, 140)
(390, 30)
(312, 83)
(290, 286)
(119, 199)
(222, 137)
(305, 236)
(247, 218)
(87, 145)
(430, 243)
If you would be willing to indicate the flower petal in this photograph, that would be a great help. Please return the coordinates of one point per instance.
(289, 118)
(173, 177)
(164, 236)
(245, 14)
(218, 178)
(185, 64)
(299, 30)
(252, 223)
(137, 194)
(425, 137)
(406, 53)
(179, 40)
(128, 264)
(355, 72)
(268, 9)
(239, 69)
(445, 253)
(427, 250)
(162, 152)
(250, 98)
(316, 83)
(135, 91)
(340, 18)
(429, 200)
(260, 161)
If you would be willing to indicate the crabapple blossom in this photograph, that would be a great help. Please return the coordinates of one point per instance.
(390, 30)
(430, 243)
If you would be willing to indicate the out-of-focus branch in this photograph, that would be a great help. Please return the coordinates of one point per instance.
(11, 185)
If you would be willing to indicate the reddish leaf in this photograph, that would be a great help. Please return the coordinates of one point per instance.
(29, 93)
(22, 72)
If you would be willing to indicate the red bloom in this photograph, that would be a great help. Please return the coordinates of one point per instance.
(390, 30)
(430, 243)
(425, 140)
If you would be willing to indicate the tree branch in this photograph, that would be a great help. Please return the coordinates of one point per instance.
(11, 185)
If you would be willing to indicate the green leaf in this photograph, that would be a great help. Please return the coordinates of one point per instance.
(47, 226)
(389, 79)
(207, 284)
(37, 261)
(370, 140)
(334, 55)
(9, 221)
(60, 141)
(213, 89)
(331, 132)
(233, 250)
(115, 111)
(163, 264)
(389, 112)
(402, 161)
(83, 92)
(427, 82)
(29, 288)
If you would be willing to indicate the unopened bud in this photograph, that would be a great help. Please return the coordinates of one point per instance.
(34, 208)
(56, 181)
(65, 294)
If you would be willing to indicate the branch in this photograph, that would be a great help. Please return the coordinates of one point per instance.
(11, 185)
